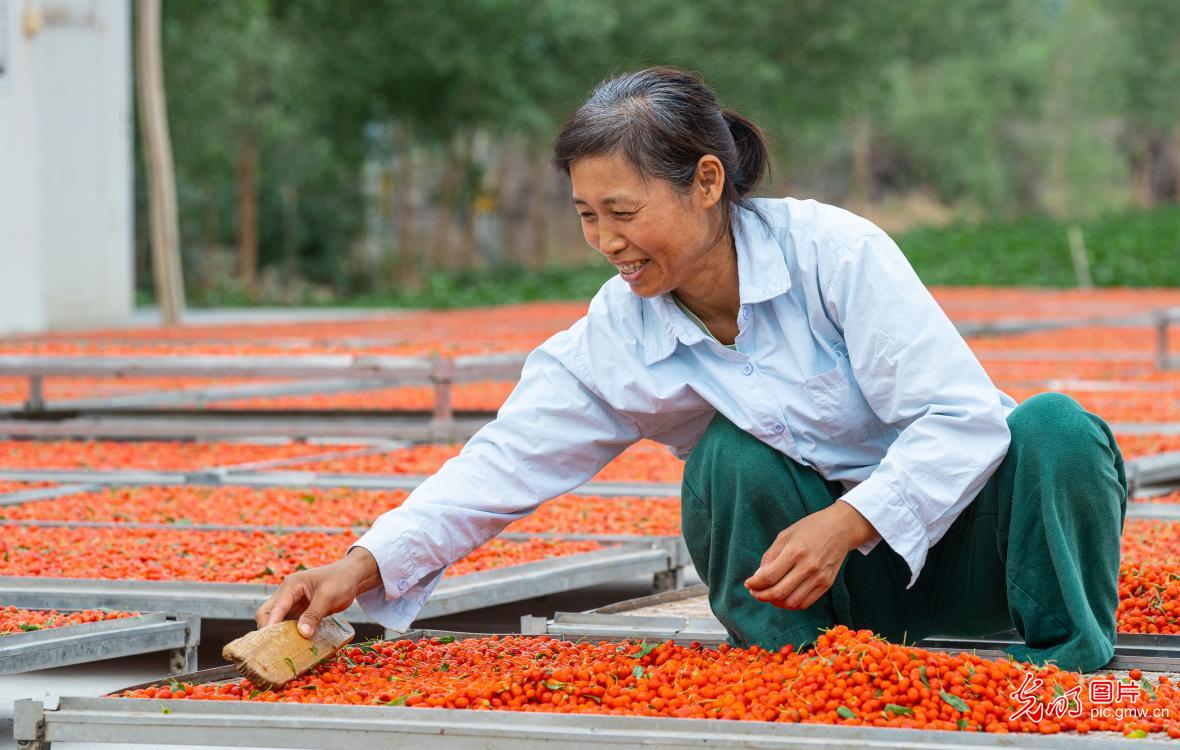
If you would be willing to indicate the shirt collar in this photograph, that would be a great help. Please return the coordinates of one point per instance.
(762, 275)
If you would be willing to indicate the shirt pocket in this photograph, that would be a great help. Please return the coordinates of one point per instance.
(844, 414)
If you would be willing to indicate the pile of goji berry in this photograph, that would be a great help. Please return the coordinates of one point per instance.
(1149, 577)
(340, 507)
(14, 390)
(217, 556)
(1170, 497)
(1150, 444)
(1123, 405)
(226, 505)
(155, 455)
(1089, 338)
(847, 677)
(645, 461)
(623, 516)
(16, 620)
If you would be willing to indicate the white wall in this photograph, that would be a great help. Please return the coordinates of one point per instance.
(72, 113)
(22, 302)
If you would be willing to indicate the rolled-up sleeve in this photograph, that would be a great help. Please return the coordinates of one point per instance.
(554, 432)
(918, 373)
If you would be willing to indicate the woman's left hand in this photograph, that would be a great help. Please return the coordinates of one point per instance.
(804, 559)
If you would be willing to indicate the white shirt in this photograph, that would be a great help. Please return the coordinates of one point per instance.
(843, 362)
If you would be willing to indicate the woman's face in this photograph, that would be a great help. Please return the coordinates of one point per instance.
(658, 239)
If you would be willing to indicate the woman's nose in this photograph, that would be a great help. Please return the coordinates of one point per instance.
(610, 242)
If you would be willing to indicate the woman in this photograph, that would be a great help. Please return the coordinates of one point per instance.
(823, 400)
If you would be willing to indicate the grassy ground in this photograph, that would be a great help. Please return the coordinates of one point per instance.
(1130, 249)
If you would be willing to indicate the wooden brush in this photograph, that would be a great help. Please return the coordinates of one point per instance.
(273, 656)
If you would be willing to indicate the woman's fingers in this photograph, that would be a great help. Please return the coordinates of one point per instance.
(327, 599)
(804, 600)
(800, 578)
(312, 595)
(775, 563)
(275, 609)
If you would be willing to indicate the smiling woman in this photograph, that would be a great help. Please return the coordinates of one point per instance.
(658, 171)
(823, 400)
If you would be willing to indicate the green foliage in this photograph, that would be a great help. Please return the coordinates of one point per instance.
(495, 286)
(1128, 249)
(1006, 109)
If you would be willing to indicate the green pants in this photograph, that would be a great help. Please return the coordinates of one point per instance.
(1037, 550)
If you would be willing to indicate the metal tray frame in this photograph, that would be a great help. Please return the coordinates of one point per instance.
(232, 476)
(239, 601)
(318, 727)
(94, 641)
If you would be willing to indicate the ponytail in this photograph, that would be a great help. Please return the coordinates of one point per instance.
(752, 152)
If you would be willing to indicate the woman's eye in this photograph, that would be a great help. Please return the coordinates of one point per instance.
(586, 215)
(623, 214)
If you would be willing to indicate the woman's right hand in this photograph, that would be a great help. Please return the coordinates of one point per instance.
(311, 595)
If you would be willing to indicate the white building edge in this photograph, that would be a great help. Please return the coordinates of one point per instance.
(66, 180)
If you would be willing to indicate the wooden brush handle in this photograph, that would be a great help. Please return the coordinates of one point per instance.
(273, 656)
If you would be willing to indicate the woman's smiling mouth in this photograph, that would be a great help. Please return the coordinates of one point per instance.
(631, 271)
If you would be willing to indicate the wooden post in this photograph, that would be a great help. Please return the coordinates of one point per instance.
(1081, 261)
(247, 169)
(157, 151)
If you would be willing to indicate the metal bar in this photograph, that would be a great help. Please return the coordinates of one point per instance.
(1162, 468)
(84, 643)
(472, 368)
(1060, 355)
(104, 478)
(232, 724)
(317, 726)
(667, 597)
(274, 463)
(1147, 510)
(394, 370)
(239, 601)
(1102, 386)
(45, 493)
(301, 479)
(1031, 325)
(1146, 428)
(211, 394)
(164, 425)
(1148, 652)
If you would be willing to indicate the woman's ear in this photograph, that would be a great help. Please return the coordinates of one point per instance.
(709, 182)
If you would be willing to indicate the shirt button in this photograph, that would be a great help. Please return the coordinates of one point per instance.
(745, 313)
(747, 368)
(402, 584)
(778, 428)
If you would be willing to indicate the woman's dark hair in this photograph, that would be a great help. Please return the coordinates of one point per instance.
(663, 120)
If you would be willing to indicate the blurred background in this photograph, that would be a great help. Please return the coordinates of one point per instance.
(390, 153)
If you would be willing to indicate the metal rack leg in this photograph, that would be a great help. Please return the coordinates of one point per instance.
(184, 660)
(29, 725)
(36, 400)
